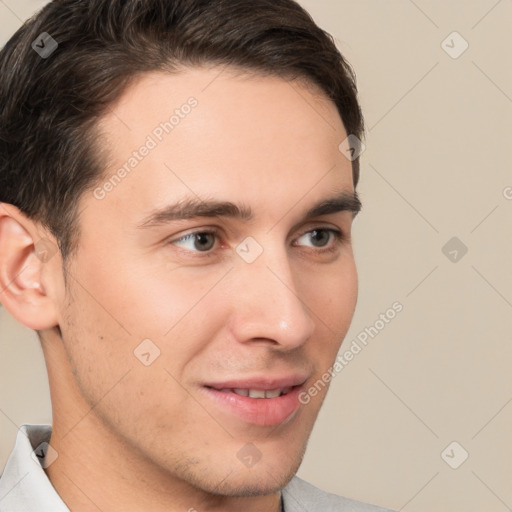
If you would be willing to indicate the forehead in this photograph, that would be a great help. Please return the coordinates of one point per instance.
(161, 92)
(229, 102)
(217, 132)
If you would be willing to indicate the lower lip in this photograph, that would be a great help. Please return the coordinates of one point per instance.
(264, 412)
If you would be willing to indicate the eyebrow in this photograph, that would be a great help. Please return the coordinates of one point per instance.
(190, 208)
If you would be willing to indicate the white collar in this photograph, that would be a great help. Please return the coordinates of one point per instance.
(24, 486)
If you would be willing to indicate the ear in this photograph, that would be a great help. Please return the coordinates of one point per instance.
(29, 268)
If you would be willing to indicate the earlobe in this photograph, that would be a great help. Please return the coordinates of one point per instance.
(22, 271)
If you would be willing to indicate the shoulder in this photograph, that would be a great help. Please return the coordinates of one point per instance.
(301, 496)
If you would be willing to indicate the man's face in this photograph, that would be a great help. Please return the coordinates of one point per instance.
(259, 303)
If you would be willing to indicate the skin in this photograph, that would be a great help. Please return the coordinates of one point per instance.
(132, 437)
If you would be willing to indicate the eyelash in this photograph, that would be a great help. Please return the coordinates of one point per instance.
(339, 238)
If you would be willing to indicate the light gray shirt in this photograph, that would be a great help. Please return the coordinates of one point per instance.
(24, 486)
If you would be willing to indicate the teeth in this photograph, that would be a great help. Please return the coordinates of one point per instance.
(257, 393)
(260, 393)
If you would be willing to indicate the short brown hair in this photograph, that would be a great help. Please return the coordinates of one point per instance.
(50, 106)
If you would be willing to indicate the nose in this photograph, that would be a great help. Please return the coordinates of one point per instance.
(267, 305)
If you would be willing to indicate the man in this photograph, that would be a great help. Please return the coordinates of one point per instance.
(175, 216)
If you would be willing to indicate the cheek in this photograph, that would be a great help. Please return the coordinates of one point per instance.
(89, 342)
(332, 296)
(113, 312)
(151, 298)
(344, 295)
(115, 381)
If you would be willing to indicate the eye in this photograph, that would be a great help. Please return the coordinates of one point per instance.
(321, 237)
(199, 241)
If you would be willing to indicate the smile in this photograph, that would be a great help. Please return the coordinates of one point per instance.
(261, 407)
(259, 393)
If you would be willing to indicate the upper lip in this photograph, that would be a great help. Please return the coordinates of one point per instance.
(264, 383)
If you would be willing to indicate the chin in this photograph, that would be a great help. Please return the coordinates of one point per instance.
(251, 485)
(238, 481)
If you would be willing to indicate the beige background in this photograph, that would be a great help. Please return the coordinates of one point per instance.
(437, 166)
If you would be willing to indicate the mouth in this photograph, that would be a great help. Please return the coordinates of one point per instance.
(258, 393)
(258, 402)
